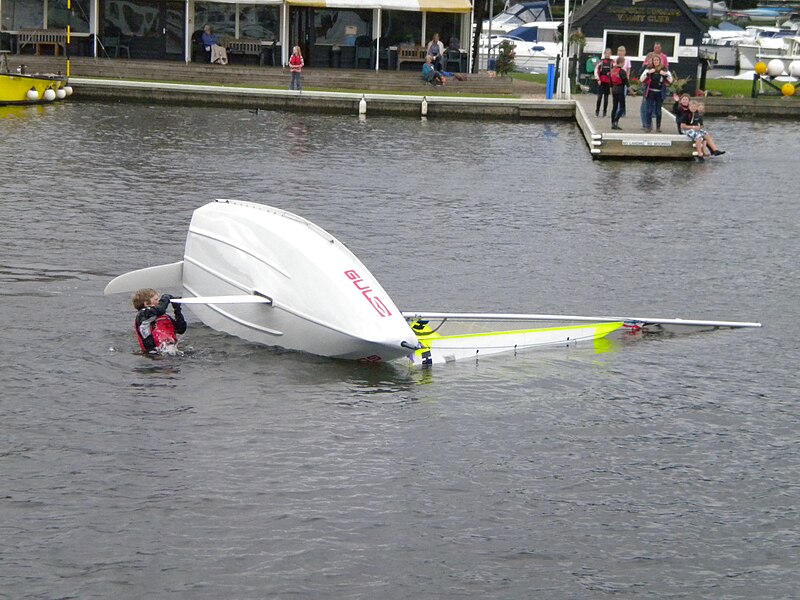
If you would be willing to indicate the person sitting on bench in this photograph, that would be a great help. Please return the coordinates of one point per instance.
(211, 44)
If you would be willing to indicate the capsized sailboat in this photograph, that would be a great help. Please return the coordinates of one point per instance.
(272, 277)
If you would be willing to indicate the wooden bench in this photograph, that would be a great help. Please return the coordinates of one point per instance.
(416, 54)
(251, 47)
(42, 37)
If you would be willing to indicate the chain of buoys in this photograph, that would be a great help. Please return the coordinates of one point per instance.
(775, 68)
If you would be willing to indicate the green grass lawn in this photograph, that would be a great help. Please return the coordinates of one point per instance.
(727, 88)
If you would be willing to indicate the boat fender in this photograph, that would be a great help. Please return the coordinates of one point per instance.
(32, 95)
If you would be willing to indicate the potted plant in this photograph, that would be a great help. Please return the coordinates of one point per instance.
(505, 58)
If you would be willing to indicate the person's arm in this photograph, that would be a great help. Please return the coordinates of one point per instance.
(159, 309)
(180, 322)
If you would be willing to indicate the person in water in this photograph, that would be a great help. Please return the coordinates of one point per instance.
(156, 331)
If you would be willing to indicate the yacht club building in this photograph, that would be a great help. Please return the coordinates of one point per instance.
(331, 33)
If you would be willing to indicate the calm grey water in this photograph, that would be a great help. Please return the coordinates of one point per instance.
(664, 467)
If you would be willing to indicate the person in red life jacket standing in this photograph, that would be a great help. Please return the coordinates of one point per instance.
(156, 331)
(602, 73)
(296, 67)
(619, 85)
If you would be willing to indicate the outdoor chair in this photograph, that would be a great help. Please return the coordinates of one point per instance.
(363, 51)
(452, 61)
(116, 43)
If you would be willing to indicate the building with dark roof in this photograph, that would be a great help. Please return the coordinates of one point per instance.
(637, 25)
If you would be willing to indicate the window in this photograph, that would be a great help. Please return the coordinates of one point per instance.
(640, 44)
(615, 39)
(23, 14)
(447, 25)
(220, 15)
(337, 27)
(58, 17)
(401, 27)
(669, 42)
(259, 21)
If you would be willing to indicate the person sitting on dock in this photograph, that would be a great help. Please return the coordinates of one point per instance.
(619, 83)
(680, 107)
(655, 79)
(211, 44)
(602, 74)
(692, 126)
(430, 74)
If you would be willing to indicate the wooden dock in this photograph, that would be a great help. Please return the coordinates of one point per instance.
(632, 141)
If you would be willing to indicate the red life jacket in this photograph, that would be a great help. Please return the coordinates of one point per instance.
(163, 332)
(615, 78)
(604, 70)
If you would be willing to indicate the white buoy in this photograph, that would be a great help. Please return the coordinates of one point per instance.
(424, 106)
(61, 93)
(49, 95)
(794, 68)
(362, 105)
(775, 67)
(32, 94)
(68, 89)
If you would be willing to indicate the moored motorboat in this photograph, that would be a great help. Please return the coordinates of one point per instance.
(24, 88)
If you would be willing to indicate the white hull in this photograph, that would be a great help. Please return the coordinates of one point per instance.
(324, 300)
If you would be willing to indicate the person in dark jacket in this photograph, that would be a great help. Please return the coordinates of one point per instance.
(602, 74)
(680, 107)
(619, 85)
(155, 329)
